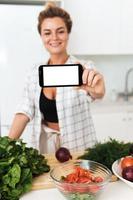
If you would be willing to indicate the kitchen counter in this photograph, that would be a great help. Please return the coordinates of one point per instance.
(113, 191)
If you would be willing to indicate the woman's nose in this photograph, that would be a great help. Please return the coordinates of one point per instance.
(54, 36)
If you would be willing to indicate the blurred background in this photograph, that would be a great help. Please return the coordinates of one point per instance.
(102, 32)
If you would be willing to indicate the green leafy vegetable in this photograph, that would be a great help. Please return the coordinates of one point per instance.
(106, 153)
(18, 165)
(13, 176)
(78, 196)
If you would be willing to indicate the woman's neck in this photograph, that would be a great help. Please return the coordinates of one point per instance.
(58, 59)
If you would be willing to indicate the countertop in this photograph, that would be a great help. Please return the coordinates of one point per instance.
(113, 191)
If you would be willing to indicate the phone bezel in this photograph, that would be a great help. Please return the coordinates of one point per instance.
(80, 72)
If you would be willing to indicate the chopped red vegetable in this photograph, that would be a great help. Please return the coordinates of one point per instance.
(81, 175)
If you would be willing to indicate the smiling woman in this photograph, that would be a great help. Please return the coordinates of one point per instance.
(70, 124)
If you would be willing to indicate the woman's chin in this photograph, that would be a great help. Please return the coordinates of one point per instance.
(57, 50)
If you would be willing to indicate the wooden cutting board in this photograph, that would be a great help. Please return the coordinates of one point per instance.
(44, 181)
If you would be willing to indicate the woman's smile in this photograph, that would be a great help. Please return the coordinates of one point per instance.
(55, 44)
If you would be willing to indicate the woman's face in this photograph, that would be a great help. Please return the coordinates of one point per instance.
(54, 35)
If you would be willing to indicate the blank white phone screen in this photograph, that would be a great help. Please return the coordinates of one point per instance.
(60, 75)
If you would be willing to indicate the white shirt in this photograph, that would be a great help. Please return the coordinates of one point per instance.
(73, 109)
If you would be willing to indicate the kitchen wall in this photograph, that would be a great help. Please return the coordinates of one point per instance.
(114, 68)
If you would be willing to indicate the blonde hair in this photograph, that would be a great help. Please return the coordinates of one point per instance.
(51, 11)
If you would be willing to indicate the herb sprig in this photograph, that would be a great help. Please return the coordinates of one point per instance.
(106, 153)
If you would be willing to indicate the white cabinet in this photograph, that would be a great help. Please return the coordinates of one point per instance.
(126, 33)
(101, 27)
(20, 49)
(115, 125)
(95, 26)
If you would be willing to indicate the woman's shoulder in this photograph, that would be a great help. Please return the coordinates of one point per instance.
(85, 62)
(34, 68)
(37, 65)
(32, 72)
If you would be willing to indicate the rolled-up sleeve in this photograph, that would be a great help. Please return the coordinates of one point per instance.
(26, 103)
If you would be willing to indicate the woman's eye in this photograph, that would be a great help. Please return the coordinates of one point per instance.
(61, 32)
(47, 33)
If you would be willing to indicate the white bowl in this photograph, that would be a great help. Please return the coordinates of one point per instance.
(117, 171)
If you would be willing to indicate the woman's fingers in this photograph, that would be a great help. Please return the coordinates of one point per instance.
(85, 76)
(96, 79)
(91, 77)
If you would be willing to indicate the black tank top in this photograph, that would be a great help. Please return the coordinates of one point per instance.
(48, 108)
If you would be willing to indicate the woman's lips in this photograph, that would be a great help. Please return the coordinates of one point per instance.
(55, 44)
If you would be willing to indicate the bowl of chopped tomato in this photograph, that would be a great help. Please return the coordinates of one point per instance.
(81, 180)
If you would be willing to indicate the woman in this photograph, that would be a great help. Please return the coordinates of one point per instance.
(61, 116)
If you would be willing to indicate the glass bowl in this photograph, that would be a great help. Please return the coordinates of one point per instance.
(80, 191)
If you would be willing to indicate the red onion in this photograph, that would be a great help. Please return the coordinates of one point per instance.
(127, 173)
(63, 154)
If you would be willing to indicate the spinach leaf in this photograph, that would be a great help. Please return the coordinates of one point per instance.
(18, 165)
(13, 176)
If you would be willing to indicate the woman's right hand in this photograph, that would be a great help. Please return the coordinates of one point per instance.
(93, 83)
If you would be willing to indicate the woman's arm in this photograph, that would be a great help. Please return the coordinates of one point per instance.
(19, 123)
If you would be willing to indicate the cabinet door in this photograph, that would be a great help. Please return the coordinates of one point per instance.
(20, 49)
(126, 34)
(114, 125)
(96, 26)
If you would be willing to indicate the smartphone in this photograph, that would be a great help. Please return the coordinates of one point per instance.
(60, 75)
